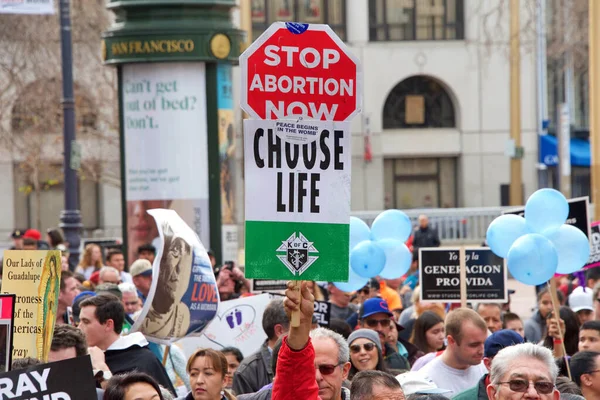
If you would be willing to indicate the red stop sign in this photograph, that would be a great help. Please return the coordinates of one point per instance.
(305, 70)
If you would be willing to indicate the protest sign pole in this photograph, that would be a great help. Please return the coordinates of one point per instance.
(166, 355)
(555, 306)
(295, 322)
(463, 276)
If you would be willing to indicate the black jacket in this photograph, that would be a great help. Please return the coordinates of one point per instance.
(427, 237)
(394, 360)
(132, 353)
(254, 372)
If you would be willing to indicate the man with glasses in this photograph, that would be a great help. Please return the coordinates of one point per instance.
(376, 315)
(585, 370)
(524, 371)
(313, 364)
(460, 367)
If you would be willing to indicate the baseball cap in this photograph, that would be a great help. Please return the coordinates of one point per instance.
(373, 306)
(416, 382)
(17, 234)
(141, 267)
(32, 234)
(581, 299)
(499, 340)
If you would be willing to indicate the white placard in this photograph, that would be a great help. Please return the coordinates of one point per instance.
(26, 7)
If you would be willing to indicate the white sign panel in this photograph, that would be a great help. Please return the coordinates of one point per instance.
(238, 323)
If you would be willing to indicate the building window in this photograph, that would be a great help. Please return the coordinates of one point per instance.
(331, 12)
(420, 183)
(416, 20)
(418, 102)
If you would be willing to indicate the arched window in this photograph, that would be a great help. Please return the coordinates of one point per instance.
(418, 102)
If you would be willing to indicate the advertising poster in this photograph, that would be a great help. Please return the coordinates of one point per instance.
(238, 324)
(166, 166)
(297, 176)
(34, 278)
(27, 6)
(52, 381)
(227, 148)
(183, 298)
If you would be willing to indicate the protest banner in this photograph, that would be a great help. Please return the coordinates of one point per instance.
(238, 323)
(297, 200)
(594, 260)
(7, 321)
(164, 114)
(578, 213)
(268, 285)
(70, 379)
(27, 7)
(296, 69)
(440, 275)
(183, 298)
(34, 277)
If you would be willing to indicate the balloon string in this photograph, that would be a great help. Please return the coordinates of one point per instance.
(555, 305)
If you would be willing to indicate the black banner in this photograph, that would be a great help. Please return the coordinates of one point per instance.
(70, 379)
(578, 214)
(268, 285)
(439, 275)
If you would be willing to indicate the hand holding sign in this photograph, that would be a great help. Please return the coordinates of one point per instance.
(299, 301)
(539, 245)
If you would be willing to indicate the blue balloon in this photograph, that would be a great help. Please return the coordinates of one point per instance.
(572, 247)
(546, 209)
(397, 258)
(532, 259)
(359, 231)
(367, 259)
(391, 224)
(355, 282)
(504, 231)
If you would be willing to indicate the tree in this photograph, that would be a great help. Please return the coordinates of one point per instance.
(31, 93)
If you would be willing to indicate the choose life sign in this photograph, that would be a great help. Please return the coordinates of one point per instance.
(298, 199)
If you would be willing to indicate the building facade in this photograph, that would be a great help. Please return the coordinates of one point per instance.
(435, 121)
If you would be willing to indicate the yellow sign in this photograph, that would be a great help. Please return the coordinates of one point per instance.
(34, 277)
(220, 46)
(133, 47)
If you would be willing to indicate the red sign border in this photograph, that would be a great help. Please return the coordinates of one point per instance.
(271, 30)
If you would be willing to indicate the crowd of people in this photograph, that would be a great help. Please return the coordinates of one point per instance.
(381, 342)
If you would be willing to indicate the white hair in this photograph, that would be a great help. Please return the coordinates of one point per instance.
(104, 270)
(502, 362)
(342, 344)
(127, 287)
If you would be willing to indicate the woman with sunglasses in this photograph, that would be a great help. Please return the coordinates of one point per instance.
(365, 352)
(428, 333)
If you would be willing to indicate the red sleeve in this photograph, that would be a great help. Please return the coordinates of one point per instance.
(295, 374)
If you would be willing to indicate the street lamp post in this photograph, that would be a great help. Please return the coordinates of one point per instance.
(70, 218)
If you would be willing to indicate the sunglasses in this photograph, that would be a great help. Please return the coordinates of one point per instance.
(521, 386)
(355, 348)
(372, 323)
(327, 369)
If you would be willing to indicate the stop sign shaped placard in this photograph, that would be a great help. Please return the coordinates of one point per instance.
(300, 70)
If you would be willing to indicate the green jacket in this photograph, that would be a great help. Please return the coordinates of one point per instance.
(475, 393)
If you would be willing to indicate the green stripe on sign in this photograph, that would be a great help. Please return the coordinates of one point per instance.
(315, 251)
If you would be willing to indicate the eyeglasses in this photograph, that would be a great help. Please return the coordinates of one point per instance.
(372, 323)
(355, 348)
(327, 369)
(591, 372)
(521, 386)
